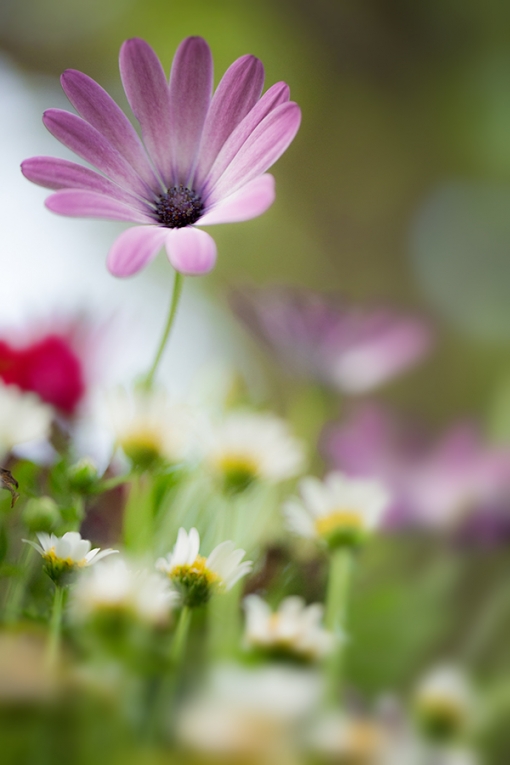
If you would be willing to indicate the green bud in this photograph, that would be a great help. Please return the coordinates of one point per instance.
(40, 514)
(82, 475)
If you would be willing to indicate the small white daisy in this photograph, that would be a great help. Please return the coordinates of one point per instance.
(340, 510)
(444, 702)
(64, 554)
(23, 418)
(149, 426)
(119, 585)
(246, 446)
(294, 629)
(196, 576)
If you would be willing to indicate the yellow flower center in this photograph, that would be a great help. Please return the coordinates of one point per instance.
(239, 470)
(350, 520)
(197, 569)
(51, 557)
(142, 446)
(364, 740)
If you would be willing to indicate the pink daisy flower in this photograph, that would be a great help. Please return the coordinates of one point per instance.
(203, 159)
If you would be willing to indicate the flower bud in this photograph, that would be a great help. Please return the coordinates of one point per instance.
(82, 475)
(41, 514)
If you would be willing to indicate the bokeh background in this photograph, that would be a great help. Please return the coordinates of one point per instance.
(396, 191)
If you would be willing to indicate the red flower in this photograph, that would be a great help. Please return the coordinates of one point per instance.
(49, 367)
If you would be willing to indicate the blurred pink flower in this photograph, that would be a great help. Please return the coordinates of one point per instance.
(349, 348)
(203, 159)
(442, 485)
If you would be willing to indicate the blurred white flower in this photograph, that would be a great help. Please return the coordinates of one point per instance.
(250, 712)
(339, 510)
(444, 702)
(62, 555)
(149, 425)
(350, 739)
(196, 576)
(294, 628)
(245, 446)
(118, 585)
(23, 418)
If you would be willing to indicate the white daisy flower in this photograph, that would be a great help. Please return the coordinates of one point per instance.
(250, 713)
(246, 446)
(64, 554)
(196, 576)
(346, 738)
(149, 425)
(339, 510)
(117, 585)
(294, 629)
(444, 702)
(23, 418)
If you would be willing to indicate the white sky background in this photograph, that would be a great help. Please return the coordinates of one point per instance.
(55, 265)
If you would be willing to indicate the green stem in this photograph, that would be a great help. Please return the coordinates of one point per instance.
(111, 483)
(176, 295)
(18, 585)
(486, 624)
(54, 638)
(224, 624)
(335, 619)
(138, 524)
(178, 647)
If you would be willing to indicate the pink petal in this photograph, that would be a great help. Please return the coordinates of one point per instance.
(246, 203)
(89, 204)
(100, 110)
(93, 147)
(235, 96)
(53, 173)
(149, 97)
(191, 82)
(190, 250)
(134, 249)
(277, 95)
(261, 150)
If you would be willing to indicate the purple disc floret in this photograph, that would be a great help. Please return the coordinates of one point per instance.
(202, 159)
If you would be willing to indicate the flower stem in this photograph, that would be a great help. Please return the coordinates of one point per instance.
(18, 585)
(485, 626)
(176, 295)
(181, 633)
(53, 648)
(138, 524)
(337, 597)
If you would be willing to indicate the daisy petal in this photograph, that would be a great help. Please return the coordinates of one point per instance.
(190, 251)
(134, 249)
(260, 150)
(277, 95)
(149, 97)
(246, 203)
(191, 82)
(89, 204)
(53, 173)
(100, 110)
(237, 93)
(93, 147)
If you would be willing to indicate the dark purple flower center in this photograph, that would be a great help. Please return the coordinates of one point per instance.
(179, 207)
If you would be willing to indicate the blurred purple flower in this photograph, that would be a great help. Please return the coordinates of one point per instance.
(203, 160)
(349, 348)
(455, 483)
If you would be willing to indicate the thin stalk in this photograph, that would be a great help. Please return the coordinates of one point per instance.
(486, 624)
(178, 647)
(54, 638)
(224, 624)
(111, 483)
(18, 585)
(176, 295)
(337, 598)
(138, 524)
